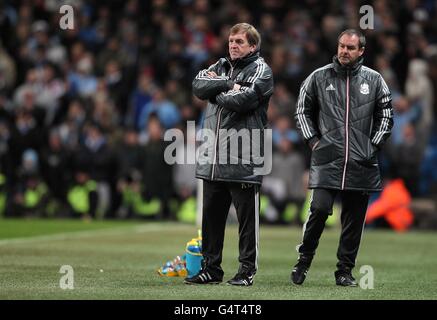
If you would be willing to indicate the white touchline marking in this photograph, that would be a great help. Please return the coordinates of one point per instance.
(118, 230)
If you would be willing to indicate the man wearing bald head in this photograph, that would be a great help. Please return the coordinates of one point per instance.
(344, 114)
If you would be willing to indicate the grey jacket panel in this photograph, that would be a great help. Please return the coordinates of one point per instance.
(230, 118)
(348, 111)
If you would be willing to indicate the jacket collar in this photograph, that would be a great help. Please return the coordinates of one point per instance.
(242, 62)
(353, 69)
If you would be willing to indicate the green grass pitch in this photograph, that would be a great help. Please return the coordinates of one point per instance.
(118, 260)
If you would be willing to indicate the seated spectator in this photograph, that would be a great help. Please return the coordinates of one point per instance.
(404, 113)
(140, 98)
(167, 112)
(81, 81)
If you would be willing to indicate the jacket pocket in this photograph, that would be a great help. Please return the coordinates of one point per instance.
(323, 153)
(369, 160)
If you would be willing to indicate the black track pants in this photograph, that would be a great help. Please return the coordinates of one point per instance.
(353, 213)
(217, 198)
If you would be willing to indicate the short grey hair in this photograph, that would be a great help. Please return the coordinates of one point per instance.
(359, 34)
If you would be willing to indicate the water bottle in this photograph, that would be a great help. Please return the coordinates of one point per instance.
(194, 256)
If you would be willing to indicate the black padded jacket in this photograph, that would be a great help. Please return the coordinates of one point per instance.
(348, 111)
(235, 121)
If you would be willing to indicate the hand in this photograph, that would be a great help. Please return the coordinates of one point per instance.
(212, 74)
(236, 87)
(315, 145)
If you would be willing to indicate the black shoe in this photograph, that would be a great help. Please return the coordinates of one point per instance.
(345, 279)
(243, 278)
(300, 270)
(299, 273)
(203, 277)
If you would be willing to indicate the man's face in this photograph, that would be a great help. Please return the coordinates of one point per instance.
(239, 47)
(348, 49)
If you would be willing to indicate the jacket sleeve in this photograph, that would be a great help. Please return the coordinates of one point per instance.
(382, 115)
(306, 110)
(258, 87)
(206, 87)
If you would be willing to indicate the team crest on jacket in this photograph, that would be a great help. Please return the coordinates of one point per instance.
(364, 88)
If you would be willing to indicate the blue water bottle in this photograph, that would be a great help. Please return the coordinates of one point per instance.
(194, 256)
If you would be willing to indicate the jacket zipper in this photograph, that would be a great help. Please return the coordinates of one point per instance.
(347, 132)
(217, 131)
(216, 141)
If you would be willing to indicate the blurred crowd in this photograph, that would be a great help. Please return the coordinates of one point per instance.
(83, 111)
